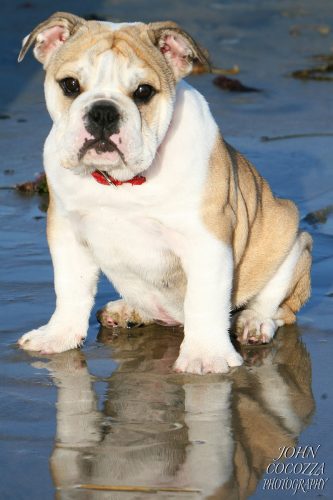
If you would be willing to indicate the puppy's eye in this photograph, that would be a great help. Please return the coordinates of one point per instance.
(144, 93)
(70, 87)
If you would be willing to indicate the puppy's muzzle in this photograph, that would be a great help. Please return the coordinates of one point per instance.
(103, 120)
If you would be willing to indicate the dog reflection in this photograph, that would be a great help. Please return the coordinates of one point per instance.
(216, 434)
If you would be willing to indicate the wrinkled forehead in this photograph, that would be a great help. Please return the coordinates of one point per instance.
(101, 51)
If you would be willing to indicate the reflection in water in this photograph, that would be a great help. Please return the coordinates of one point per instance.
(216, 434)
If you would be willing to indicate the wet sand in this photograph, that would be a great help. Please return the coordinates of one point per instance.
(114, 413)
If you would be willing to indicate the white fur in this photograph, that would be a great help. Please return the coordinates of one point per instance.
(75, 279)
(209, 268)
(118, 26)
(271, 296)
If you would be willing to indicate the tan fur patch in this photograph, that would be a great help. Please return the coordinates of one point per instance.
(240, 209)
(174, 278)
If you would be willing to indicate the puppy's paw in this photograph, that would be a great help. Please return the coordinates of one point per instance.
(50, 340)
(253, 328)
(195, 362)
(118, 313)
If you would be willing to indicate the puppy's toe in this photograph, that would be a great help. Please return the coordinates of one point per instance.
(47, 341)
(32, 339)
(185, 364)
(106, 319)
(207, 363)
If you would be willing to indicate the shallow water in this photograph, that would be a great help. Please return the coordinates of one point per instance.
(114, 413)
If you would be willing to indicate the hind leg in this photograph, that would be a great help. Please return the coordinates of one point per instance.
(119, 313)
(280, 298)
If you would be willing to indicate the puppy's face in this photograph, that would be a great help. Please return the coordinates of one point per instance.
(110, 105)
(110, 89)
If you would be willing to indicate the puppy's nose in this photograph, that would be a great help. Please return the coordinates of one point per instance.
(103, 115)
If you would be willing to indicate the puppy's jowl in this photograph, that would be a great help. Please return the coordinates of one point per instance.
(144, 188)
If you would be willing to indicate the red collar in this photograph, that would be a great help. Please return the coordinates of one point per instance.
(104, 178)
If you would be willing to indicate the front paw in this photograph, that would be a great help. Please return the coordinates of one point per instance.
(195, 361)
(50, 340)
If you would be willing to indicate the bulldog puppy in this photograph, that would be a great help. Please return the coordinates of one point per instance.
(144, 188)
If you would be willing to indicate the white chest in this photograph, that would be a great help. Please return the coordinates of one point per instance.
(132, 250)
(122, 241)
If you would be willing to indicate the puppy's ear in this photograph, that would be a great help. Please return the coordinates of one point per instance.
(50, 35)
(178, 48)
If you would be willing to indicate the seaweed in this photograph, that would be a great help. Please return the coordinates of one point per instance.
(266, 138)
(319, 216)
(232, 84)
(319, 72)
(39, 185)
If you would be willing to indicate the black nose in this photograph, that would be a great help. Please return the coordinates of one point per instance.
(103, 117)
